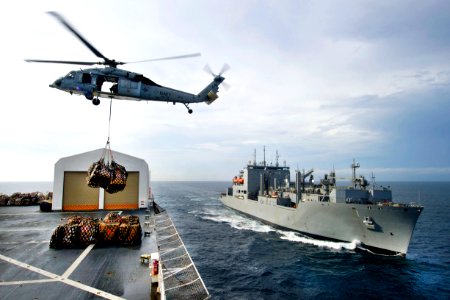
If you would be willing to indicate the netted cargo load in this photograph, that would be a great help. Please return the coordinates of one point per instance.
(72, 220)
(80, 232)
(76, 232)
(123, 232)
(107, 173)
(107, 232)
(57, 237)
(134, 220)
(128, 219)
(134, 235)
(71, 236)
(129, 235)
(88, 232)
(99, 174)
(112, 217)
(119, 177)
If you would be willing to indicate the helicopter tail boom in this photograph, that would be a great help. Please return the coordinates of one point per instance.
(209, 93)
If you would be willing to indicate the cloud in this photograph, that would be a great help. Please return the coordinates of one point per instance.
(321, 82)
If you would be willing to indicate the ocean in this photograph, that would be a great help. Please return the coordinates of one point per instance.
(241, 258)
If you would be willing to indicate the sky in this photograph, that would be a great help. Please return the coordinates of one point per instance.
(321, 82)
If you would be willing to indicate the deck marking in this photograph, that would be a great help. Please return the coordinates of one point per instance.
(55, 277)
(78, 261)
(91, 289)
(29, 267)
(27, 281)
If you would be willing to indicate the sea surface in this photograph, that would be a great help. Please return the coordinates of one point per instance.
(241, 258)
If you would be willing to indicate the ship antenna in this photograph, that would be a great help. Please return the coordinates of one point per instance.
(254, 157)
(373, 181)
(276, 157)
(264, 157)
(354, 166)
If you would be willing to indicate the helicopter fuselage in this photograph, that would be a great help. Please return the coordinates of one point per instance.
(124, 84)
(127, 85)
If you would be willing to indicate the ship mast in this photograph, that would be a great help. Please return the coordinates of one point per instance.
(276, 157)
(264, 150)
(373, 181)
(354, 166)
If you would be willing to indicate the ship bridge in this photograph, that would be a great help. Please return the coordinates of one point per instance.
(259, 179)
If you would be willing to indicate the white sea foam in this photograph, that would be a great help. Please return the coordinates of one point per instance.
(295, 237)
(233, 219)
(242, 223)
(196, 199)
(239, 222)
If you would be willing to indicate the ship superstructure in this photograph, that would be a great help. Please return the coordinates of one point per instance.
(361, 212)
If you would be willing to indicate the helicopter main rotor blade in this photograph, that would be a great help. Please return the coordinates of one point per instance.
(70, 28)
(165, 58)
(84, 63)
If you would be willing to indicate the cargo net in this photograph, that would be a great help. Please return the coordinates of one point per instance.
(106, 173)
(113, 230)
(181, 278)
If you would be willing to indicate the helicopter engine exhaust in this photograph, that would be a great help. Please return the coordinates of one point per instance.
(212, 96)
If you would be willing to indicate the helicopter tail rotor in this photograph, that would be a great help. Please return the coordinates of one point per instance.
(209, 93)
(223, 70)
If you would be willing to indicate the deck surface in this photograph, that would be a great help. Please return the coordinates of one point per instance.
(32, 270)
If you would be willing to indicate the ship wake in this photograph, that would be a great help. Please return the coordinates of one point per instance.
(240, 222)
(295, 237)
(234, 220)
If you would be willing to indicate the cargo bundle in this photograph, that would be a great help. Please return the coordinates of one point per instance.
(107, 174)
(99, 174)
(118, 178)
(77, 232)
(125, 230)
(80, 232)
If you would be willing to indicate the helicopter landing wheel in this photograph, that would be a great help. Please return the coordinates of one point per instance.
(187, 106)
(96, 101)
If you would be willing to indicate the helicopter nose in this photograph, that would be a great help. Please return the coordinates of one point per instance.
(56, 84)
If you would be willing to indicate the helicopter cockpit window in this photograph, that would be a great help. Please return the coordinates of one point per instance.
(145, 80)
(71, 75)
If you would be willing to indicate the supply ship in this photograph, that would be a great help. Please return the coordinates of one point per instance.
(362, 212)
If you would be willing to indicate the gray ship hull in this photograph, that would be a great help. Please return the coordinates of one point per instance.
(389, 232)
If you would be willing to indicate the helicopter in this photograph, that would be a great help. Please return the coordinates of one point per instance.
(123, 84)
